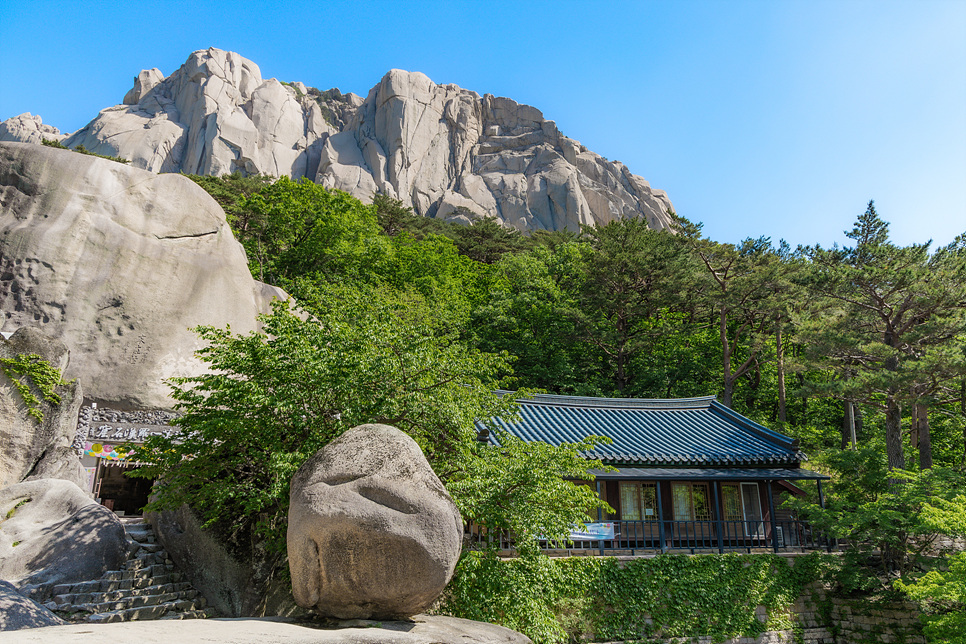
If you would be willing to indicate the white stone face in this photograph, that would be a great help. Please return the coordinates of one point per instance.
(215, 115)
(119, 264)
(28, 128)
(443, 147)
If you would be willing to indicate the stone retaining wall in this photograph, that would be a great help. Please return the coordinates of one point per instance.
(819, 619)
(806, 636)
(895, 623)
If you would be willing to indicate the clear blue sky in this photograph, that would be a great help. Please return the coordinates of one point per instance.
(777, 118)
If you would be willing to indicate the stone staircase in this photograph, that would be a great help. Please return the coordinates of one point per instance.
(148, 587)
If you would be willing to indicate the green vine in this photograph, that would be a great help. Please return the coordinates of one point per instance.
(601, 599)
(24, 369)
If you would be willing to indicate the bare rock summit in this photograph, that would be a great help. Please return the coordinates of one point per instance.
(28, 128)
(215, 115)
(454, 155)
(446, 151)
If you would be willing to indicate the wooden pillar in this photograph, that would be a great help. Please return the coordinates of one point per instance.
(660, 516)
(719, 526)
(771, 513)
(821, 504)
(600, 517)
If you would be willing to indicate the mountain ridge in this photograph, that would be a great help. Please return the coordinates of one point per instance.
(447, 152)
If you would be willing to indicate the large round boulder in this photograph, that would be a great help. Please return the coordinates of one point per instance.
(53, 533)
(119, 264)
(372, 531)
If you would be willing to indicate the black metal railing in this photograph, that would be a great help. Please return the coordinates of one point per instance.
(675, 536)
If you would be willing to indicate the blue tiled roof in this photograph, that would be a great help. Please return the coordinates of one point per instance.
(655, 433)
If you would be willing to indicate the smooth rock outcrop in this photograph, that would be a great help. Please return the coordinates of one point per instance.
(372, 531)
(27, 128)
(425, 629)
(17, 612)
(31, 448)
(119, 264)
(215, 115)
(444, 150)
(451, 154)
(53, 533)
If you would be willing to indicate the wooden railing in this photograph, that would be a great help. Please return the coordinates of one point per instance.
(690, 536)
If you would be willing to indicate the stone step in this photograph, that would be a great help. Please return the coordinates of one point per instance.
(79, 599)
(141, 579)
(142, 536)
(148, 570)
(138, 601)
(148, 587)
(140, 529)
(146, 560)
(150, 575)
(158, 611)
(183, 588)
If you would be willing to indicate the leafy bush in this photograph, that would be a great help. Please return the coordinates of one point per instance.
(275, 397)
(941, 593)
(522, 488)
(879, 514)
(355, 355)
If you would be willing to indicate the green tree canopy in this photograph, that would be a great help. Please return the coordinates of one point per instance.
(351, 355)
(298, 228)
(632, 276)
(890, 319)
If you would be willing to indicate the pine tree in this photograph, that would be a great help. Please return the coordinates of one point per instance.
(890, 320)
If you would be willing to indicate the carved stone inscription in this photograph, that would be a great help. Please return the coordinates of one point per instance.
(111, 425)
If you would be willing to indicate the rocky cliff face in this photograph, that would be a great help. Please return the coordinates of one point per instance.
(215, 115)
(118, 264)
(446, 151)
(454, 155)
(28, 128)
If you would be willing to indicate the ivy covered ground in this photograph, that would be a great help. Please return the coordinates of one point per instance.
(601, 599)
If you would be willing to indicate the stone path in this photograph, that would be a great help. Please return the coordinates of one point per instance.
(148, 587)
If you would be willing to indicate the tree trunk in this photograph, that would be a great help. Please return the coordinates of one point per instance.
(621, 357)
(729, 384)
(754, 383)
(920, 417)
(918, 420)
(893, 420)
(780, 353)
(893, 427)
(804, 398)
(848, 426)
